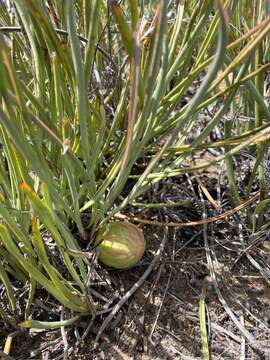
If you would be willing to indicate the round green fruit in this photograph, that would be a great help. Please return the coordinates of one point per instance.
(122, 245)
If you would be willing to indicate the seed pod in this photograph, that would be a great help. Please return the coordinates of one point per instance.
(122, 245)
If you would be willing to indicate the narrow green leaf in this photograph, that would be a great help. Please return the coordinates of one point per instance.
(91, 45)
(81, 92)
(9, 288)
(47, 216)
(203, 326)
(33, 270)
(72, 294)
(48, 325)
(134, 9)
(124, 28)
(260, 208)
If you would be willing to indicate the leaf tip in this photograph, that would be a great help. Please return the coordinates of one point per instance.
(23, 186)
(25, 324)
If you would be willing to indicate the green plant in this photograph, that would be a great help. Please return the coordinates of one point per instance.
(89, 104)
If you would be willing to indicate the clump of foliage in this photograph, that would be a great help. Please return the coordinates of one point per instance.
(92, 97)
